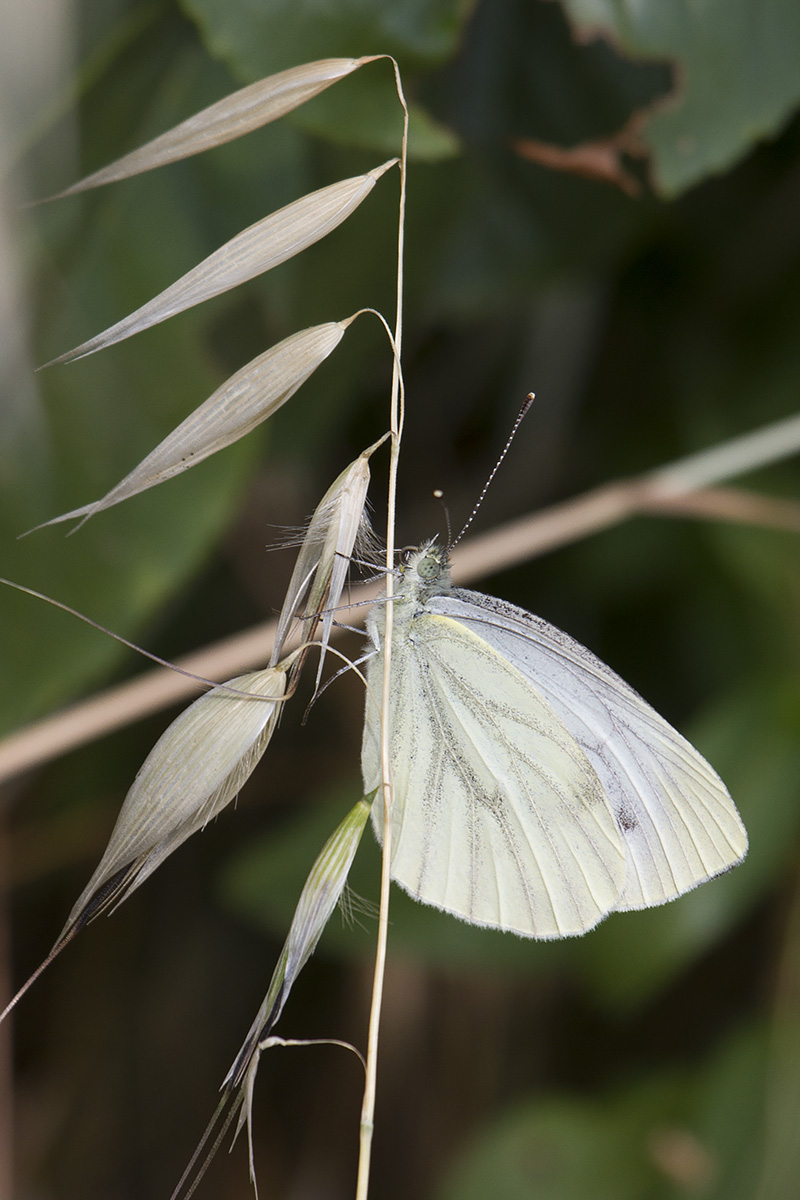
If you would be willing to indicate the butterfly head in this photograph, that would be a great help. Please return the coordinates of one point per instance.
(425, 571)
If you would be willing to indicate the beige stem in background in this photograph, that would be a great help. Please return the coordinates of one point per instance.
(506, 546)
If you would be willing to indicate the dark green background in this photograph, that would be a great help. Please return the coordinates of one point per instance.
(663, 1048)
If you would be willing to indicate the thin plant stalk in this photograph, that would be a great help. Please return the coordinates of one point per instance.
(397, 417)
(485, 554)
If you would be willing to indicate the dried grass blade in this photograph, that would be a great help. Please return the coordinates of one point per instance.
(237, 407)
(230, 118)
(264, 245)
(193, 771)
(321, 893)
(323, 889)
(321, 569)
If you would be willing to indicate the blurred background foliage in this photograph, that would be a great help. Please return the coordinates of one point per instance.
(659, 1057)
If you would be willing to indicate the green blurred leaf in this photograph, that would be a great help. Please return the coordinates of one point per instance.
(257, 37)
(736, 75)
(781, 1168)
(561, 1150)
(675, 1135)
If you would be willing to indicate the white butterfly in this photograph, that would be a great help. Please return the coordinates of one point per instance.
(535, 791)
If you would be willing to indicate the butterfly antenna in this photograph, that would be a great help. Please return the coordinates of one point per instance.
(520, 417)
(439, 495)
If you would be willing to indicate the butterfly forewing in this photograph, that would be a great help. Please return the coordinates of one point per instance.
(499, 816)
(678, 822)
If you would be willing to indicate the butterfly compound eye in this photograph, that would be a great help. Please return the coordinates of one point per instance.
(429, 566)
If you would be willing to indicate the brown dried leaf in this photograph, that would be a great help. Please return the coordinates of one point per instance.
(599, 160)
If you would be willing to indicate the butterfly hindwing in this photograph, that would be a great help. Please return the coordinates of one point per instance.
(677, 819)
